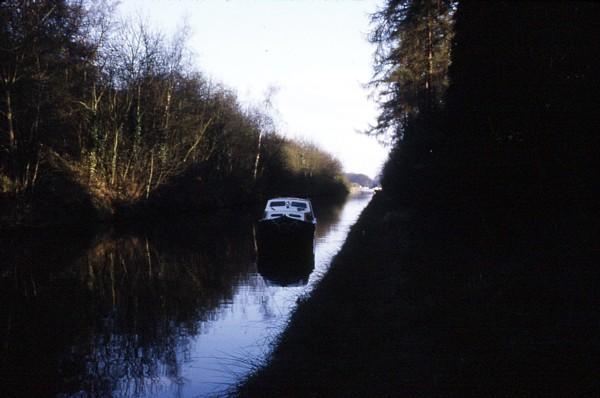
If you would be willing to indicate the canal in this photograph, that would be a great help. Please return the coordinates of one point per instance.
(178, 310)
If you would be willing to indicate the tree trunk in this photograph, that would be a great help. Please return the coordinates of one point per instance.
(114, 158)
(167, 110)
(9, 119)
(151, 175)
(257, 155)
(429, 82)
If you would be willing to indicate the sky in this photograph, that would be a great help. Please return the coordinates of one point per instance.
(314, 53)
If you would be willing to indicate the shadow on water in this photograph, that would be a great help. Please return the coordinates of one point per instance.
(42, 310)
(115, 314)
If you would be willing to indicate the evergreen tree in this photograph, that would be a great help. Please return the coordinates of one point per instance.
(411, 61)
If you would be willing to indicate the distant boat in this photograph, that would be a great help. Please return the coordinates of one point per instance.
(287, 227)
(356, 189)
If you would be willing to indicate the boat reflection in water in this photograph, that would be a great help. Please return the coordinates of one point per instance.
(288, 266)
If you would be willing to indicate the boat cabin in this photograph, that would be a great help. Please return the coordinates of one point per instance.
(294, 208)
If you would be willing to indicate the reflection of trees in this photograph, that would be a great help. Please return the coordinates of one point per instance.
(42, 310)
(155, 300)
(327, 214)
(120, 316)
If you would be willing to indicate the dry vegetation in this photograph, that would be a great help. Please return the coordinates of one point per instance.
(117, 112)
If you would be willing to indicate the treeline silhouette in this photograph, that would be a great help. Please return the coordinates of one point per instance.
(99, 116)
(492, 107)
(497, 166)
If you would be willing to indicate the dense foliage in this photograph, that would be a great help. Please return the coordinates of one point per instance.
(518, 123)
(101, 115)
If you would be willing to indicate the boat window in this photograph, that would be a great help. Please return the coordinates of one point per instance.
(277, 204)
(275, 215)
(299, 205)
(295, 215)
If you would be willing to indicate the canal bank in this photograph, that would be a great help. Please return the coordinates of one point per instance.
(423, 303)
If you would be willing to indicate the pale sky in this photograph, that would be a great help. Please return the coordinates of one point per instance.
(314, 52)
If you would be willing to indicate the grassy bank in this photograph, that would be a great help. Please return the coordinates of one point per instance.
(415, 306)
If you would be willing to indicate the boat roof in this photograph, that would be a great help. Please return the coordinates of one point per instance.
(289, 199)
(284, 198)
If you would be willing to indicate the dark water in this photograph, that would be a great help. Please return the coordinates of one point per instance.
(175, 310)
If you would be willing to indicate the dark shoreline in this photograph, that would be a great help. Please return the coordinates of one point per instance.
(417, 305)
(79, 212)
